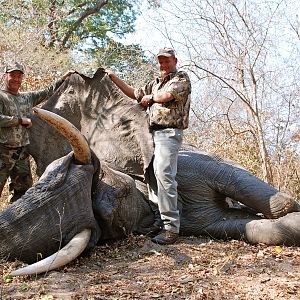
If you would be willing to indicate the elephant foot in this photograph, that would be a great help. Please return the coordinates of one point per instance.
(282, 231)
(282, 204)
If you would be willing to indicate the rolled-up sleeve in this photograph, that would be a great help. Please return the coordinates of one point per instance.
(179, 87)
(139, 93)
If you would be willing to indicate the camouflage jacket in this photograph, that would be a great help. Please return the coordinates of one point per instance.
(12, 108)
(174, 113)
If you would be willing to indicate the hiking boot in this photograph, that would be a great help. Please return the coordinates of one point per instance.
(151, 231)
(166, 237)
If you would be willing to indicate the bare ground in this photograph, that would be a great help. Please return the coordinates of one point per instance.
(192, 268)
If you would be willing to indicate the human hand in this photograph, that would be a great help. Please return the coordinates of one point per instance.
(26, 122)
(67, 74)
(109, 72)
(147, 100)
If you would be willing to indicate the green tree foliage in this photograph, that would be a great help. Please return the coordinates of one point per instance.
(65, 24)
(129, 62)
(72, 34)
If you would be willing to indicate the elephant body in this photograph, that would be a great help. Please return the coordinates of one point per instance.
(113, 201)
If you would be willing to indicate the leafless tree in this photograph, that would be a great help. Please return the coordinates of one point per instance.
(239, 50)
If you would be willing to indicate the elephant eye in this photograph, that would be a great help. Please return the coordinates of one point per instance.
(70, 90)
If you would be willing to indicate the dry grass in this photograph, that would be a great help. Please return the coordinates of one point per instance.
(4, 197)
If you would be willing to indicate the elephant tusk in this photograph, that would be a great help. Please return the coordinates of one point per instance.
(78, 142)
(62, 257)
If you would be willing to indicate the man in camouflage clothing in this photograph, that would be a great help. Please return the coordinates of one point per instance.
(167, 100)
(15, 107)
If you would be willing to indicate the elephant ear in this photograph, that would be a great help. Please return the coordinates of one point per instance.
(115, 126)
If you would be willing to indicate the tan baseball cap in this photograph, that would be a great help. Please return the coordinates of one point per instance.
(14, 66)
(167, 52)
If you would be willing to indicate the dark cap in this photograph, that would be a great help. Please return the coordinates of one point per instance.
(167, 52)
(13, 66)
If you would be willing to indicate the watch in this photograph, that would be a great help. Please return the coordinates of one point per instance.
(151, 100)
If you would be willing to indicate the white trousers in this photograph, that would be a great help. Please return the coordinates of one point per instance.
(162, 186)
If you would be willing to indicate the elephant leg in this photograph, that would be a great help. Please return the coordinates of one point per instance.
(282, 231)
(232, 225)
(258, 195)
(217, 220)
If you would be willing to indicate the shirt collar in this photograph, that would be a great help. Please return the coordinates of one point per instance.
(167, 78)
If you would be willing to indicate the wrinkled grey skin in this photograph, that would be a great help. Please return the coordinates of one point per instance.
(117, 132)
(42, 221)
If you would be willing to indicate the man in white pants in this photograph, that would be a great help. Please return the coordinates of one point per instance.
(167, 99)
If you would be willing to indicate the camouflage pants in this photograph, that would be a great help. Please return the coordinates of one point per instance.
(14, 163)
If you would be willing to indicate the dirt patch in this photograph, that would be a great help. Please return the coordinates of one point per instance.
(192, 268)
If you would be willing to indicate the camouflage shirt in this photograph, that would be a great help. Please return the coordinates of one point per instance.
(12, 108)
(174, 113)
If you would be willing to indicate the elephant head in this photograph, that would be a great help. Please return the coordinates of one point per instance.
(40, 223)
(73, 191)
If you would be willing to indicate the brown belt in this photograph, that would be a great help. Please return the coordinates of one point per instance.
(160, 127)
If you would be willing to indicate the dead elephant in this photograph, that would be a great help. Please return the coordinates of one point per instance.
(117, 132)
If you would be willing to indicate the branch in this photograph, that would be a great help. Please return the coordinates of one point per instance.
(84, 15)
(239, 94)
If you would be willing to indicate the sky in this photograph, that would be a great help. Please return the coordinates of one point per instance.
(146, 34)
(151, 39)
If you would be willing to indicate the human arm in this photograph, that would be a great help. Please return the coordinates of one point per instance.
(122, 85)
(176, 89)
(8, 121)
(42, 95)
(15, 109)
(12, 121)
(159, 97)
